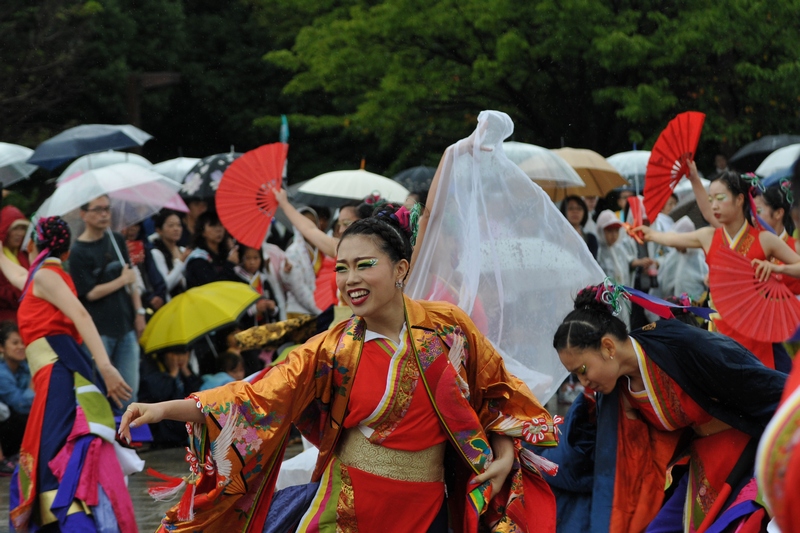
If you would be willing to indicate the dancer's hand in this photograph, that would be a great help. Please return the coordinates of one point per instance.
(118, 390)
(497, 472)
(281, 196)
(693, 175)
(765, 268)
(137, 415)
(646, 232)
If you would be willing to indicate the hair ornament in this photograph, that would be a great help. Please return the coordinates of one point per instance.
(754, 181)
(786, 189)
(49, 233)
(612, 295)
(409, 220)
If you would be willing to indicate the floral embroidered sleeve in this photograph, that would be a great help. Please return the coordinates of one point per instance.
(503, 402)
(240, 445)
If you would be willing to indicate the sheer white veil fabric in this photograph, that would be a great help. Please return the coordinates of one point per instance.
(497, 246)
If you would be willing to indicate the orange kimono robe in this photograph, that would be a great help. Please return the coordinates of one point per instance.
(236, 454)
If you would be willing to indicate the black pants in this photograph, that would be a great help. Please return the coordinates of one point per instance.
(11, 432)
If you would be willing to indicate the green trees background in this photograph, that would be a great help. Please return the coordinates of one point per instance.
(396, 81)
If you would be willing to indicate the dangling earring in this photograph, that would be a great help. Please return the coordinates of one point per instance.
(398, 284)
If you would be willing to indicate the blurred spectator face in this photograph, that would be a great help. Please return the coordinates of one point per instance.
(347, 215)
(412, 199)
(611, 235)
(720, 162)
(591, 202)
(176, 359)
(171, 230)
(670, 205)
(131, 232)
(251, 261)
(310, 216)
(98, 214)
(14, 348)
(15, 236)
(574, 213)
(213, 233)
(622, 201)
(230, 340)
(197, 208)
(238, 372)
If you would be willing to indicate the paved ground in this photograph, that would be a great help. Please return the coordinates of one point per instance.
(170, 462)
(148, 511)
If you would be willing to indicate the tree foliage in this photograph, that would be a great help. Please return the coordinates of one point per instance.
(600, 74)
(396, 81)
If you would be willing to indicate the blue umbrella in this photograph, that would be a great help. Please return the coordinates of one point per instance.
(86, 139)
(776, 177)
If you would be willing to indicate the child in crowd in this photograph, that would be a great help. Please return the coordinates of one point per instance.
(231, 369)
(252, 269)
(612, 256)
(174, 380)
(15, 393)
(684, 270)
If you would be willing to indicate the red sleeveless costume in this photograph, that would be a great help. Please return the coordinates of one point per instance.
(748, 245)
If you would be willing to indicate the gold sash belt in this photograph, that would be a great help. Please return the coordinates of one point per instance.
(355, 450)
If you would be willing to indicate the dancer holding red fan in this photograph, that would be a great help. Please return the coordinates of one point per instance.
(729, 210)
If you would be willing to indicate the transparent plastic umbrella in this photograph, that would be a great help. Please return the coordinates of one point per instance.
(135, 193)
(176, 169)
(542, 165)
(13, 167)
(632, 165)
(100, 160)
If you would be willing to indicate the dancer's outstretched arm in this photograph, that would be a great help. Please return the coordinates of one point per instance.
(152, 413)
(311, 233)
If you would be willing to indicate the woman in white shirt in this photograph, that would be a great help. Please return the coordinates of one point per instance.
(169, 258)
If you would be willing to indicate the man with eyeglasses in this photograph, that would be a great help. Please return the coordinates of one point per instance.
(106, 286)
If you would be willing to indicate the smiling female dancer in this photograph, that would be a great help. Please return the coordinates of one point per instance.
(403, 399)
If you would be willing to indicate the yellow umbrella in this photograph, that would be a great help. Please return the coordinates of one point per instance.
(599, 176)
(196, 312)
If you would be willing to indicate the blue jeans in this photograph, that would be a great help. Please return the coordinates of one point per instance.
(124, 354)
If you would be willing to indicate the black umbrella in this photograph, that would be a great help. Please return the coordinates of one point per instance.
(416, 179)
(86, 139)
(202, 181)
(749, 156)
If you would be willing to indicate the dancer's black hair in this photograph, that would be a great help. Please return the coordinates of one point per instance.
(776, 199)
(588, 323)
(395, 239)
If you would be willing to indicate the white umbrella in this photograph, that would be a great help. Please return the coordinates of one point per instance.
(684, 188)
(135, 193)
(100, 160)
(13, 167)
(542, 165)
(177, 168)
(632, 165)
(334, 189)
(780, 159)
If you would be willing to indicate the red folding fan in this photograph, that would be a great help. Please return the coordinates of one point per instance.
(669, 159)
(765, 311)
(245, 202)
